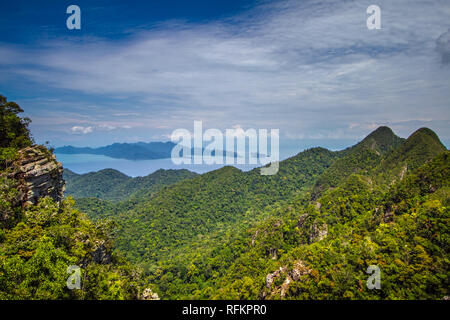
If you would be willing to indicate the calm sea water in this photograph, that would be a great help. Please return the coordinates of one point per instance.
(84, 163)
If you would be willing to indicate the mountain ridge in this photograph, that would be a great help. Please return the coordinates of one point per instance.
(381, 140)
(236, 194)
(306, 247)
(111, 184)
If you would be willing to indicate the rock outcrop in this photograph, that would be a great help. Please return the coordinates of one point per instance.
(271, 290)
(39, 175)
(270, 278)
(317, 231)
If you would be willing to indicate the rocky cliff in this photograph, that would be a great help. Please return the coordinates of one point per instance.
(38, 174)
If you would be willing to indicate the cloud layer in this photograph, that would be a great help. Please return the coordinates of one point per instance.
(310, 68)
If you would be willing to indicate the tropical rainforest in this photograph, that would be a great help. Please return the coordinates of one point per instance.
(311, 231)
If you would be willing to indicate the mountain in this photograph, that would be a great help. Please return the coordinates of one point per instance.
(190, 208)
(130, 151)
(383, 156)
(321, 247)
(110, 184)
(231, 234)
(360, 158)
(382, 140)
(324, 249)
(420, 147)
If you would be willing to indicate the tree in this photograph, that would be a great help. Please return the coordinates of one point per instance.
(14, 131)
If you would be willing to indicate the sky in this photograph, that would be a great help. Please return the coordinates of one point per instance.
(138, 70)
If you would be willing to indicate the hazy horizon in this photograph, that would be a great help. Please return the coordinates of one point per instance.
(85, 163)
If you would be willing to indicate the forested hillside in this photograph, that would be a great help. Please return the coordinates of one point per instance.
(41, 237)
(309, 232)
(361, 158)
(154, 226)
(110, 184)
(321, 249)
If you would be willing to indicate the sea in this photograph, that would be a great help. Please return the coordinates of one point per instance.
(84, 163)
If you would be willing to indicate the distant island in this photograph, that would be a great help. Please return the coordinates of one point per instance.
(129, 151)
(134, 151)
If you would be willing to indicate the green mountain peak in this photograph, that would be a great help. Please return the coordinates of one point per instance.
(381, 140)
(420, 147)
(428, 136)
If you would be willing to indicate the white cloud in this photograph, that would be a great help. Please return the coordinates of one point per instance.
(81, 129)
(98, 127)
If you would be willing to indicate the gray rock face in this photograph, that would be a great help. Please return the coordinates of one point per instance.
(270, 278)
(39, 175)
(149, 295)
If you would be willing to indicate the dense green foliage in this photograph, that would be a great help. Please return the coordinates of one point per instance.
(39, 242)
(154, 226)
(110, 184)
(404, 231)
(383, 162)
(219, 235)
(36, 252)
(308, 232)
(361, 158)
(14, 132)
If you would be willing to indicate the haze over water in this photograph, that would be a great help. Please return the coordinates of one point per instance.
(84, 163)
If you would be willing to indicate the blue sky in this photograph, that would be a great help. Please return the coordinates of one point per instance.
(138, 70)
